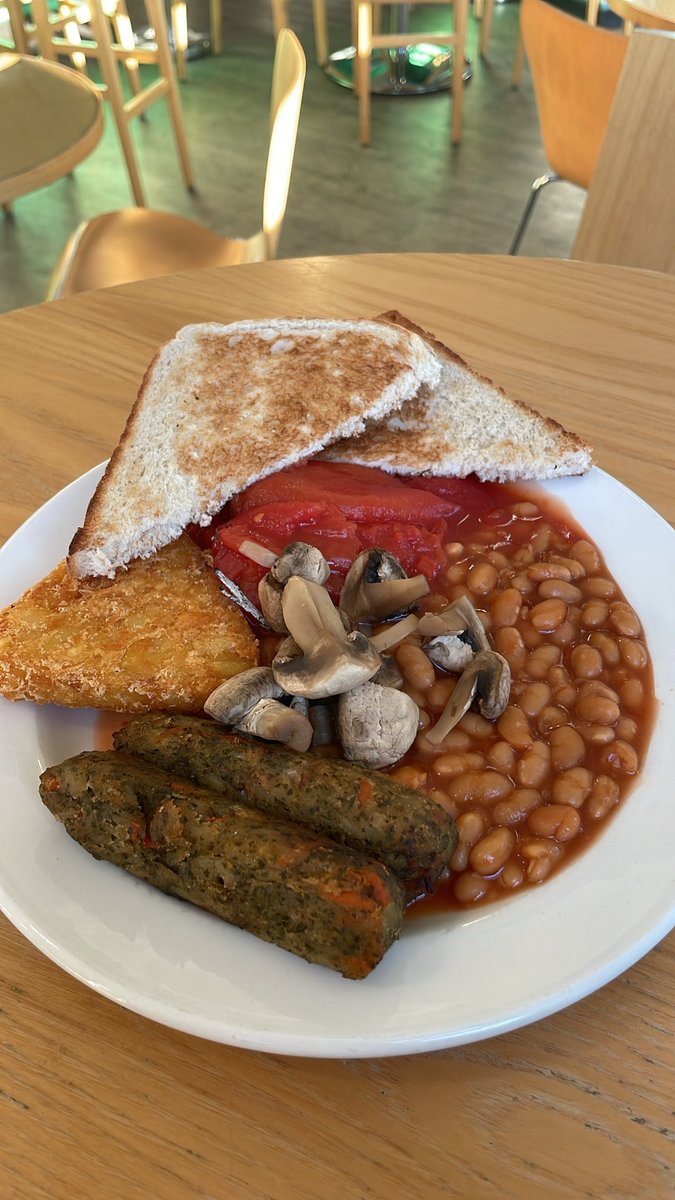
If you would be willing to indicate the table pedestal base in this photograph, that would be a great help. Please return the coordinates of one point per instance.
(413, 71)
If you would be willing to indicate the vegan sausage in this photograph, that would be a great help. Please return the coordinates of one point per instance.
(286, 884)
(402, 827)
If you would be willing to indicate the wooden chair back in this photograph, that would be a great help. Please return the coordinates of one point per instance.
(112, 45)
(288, 81)
(629, 217)
(575, 71)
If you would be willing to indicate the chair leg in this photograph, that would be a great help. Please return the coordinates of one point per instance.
(17, 26)
(156, 14)
(461, 22)
(279, 15)
(529, 208)
(217, 26)
(179, 30)
(364, 36)
(321, 31)
(518, 63)
(486, 27)
(108, 66)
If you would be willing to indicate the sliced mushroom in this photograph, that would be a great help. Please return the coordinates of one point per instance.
(394, 633)
(275, 722)
(388, 674)
(299, 558)
(269, 594)
(376, 725)
(376, 587)
(238, 695)
(449, 652)
(332, 661)
(321, 720)
(459, 618)
(489, 675)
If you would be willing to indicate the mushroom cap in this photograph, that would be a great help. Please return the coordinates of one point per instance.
(376, 725)
(299, 558)
(231, 700)
(376, 586)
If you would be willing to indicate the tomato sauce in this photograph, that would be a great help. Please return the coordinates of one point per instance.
(532, 788)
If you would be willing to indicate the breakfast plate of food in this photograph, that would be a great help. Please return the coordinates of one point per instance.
(335, 708)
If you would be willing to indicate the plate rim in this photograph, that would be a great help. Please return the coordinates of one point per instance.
(315, 1043)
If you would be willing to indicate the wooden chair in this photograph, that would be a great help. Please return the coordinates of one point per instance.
(484, 11)
(592, 13)
(113, 43)
(179, 28)
(368, 40)
(629, 216)
(280, 15)
(139, 243)
(575, 71)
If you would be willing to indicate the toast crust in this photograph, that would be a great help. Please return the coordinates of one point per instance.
(223, 406)
(466, 424)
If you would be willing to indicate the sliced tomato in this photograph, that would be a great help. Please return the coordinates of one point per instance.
(362, 493)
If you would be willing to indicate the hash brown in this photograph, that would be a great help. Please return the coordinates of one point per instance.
(160, 636)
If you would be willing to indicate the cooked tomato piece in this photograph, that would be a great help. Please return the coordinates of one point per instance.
(362, 493)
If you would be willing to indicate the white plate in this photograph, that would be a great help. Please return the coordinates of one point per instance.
(452, 978)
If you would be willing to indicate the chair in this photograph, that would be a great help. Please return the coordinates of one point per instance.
(367, 40)
(629, 217)
(280, 18)
(113, 41)
(139, 243)
(575, 71)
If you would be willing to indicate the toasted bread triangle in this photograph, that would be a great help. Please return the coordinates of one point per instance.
(464, 424)
(224, 405)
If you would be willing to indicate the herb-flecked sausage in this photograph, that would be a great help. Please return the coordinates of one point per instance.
(400, 826)
(288, 885)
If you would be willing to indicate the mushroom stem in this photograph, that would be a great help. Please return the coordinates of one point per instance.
(489, 675)
(257, 553)
(276, 723)
(394, 634)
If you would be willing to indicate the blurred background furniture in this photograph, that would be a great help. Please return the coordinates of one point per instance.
(179, 29)
(50, 119)
(280, 16)
(647, 14)
(111, 44)
(629, 217)
(368, 40)
(139, 243)
(575, 70)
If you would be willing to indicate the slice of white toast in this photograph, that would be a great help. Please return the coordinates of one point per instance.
(224, 405)
(464, 424)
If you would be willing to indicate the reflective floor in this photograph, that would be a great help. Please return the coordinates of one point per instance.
(410, 190)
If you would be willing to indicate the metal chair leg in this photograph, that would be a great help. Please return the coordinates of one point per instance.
(527, 211)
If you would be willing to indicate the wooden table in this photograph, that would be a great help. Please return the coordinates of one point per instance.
(98, 1102)
(647, 14)
(51, 117)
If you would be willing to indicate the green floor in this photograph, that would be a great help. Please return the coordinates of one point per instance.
(409, 191)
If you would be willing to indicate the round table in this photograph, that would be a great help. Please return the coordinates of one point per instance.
(647, 14)
(51, 117)
(99, 1101)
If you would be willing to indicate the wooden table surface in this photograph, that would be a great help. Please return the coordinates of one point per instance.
(97, 1102)
(647, 14)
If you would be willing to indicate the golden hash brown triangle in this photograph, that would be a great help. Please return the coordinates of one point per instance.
(160, 636)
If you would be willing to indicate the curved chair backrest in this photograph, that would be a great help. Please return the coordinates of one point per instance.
(288, 81)
(575, 71)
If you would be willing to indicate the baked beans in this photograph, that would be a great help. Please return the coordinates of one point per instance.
(529, 788)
